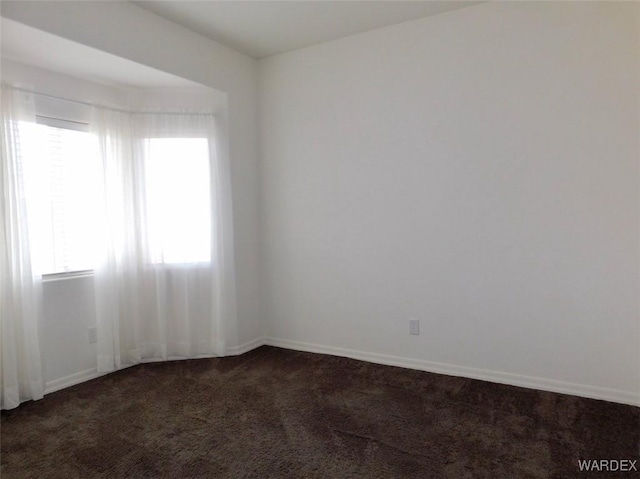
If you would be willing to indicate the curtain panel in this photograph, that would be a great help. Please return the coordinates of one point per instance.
(155, 301)
(164, 276)
(20, 284)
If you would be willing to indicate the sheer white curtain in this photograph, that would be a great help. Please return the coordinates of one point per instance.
(165, 287)
(20, 284)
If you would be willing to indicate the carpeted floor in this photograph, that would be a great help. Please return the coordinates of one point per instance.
(274, 413)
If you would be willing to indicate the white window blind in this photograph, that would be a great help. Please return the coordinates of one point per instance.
(67, 166)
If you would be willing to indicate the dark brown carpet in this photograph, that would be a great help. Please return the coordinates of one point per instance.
(279, 413)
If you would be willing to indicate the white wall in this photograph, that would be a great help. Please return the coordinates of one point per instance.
(476, 170)
(125, 30)
(69, 310)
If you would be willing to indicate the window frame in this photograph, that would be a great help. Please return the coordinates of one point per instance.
(62, 123)
(82, 126)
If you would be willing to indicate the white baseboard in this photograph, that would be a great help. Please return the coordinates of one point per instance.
(613, 395)
(246, 347)
(72, 380)
(82, 376)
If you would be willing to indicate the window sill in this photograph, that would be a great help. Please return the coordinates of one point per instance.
(47, 278)
(189, 265)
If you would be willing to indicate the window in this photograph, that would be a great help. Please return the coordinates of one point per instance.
(171, 225)
(66, 166)
(178, 200)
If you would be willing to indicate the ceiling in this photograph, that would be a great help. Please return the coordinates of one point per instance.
(264, 28)
(257, 28)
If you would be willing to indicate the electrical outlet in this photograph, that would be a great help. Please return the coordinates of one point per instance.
(93, 335)
(414, 327)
